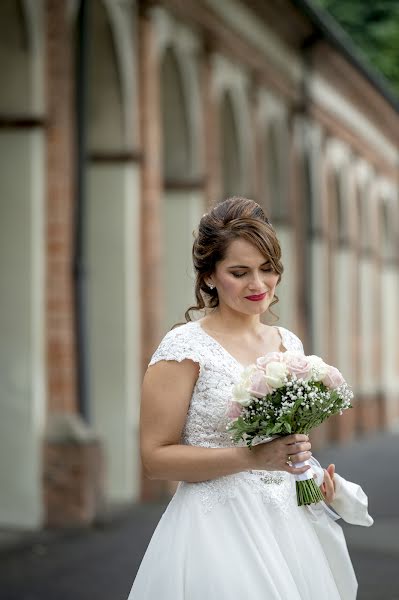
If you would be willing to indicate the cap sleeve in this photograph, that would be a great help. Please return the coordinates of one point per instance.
(179, 344)
(291, 341)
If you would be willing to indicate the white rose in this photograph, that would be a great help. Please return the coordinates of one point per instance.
(247, 374)
(275, 373)
(291, 353)
(240, 390)
(241, 395)
(319, 367)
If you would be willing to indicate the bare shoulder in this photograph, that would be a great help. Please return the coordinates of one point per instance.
(273, 337)
(278, 339)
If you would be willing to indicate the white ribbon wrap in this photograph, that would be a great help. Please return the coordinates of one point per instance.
(307, 474)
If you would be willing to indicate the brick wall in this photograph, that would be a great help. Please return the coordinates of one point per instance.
(73, 481)
(60, 198)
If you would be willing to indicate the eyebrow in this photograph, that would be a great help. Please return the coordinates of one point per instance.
(246, 267)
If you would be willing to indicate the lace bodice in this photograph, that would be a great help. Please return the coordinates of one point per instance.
(205, 421)
(218, 372)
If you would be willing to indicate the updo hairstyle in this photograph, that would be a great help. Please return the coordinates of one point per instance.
(235, 218)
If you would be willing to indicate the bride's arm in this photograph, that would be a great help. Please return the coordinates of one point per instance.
(166, 394)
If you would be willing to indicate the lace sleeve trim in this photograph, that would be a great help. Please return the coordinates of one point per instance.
(290, 340)
(178, 345)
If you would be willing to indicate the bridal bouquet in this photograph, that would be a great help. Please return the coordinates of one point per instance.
(284, 393)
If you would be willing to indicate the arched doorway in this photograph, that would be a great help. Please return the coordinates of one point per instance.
(231, 163)
(276, 195)
(183, 200)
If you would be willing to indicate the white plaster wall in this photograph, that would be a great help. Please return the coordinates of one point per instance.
(323, 93)
(389, 333)
(22, 361)
(182, 211)
(342, 303)
(319, 250)
(286, 307)
(367, 277)
(114, 316)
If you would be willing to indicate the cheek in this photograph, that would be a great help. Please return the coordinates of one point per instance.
(274, 281)
(230, 286)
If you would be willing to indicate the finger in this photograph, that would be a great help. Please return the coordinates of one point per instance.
(331, 470)
(296, 470)
(300, 457)
(329, 487)
(299, 447)
(295, 437)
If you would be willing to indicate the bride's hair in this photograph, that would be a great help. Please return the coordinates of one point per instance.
(232, 219)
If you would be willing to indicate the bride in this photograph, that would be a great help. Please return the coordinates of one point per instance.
(233, 529)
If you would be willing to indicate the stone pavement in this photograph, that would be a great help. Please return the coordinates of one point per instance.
(100, 563)
(373, 463)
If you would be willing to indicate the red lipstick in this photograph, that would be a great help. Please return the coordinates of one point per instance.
(257, 297)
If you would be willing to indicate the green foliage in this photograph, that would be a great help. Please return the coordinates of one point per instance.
(374, 28)
(260, 419)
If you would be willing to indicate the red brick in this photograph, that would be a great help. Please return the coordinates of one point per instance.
(73, 480)
(60, 200)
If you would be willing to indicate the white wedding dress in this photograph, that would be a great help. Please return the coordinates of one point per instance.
(240, 536)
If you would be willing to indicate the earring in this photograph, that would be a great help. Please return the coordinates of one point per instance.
(211, 286)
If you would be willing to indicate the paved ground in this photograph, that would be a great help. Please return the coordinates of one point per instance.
(100, 564)
(374, 550)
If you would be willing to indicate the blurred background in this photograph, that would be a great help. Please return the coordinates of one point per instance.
(121, 123)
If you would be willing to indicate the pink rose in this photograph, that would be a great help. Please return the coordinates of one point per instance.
(333, 378)
(234, 409)
(258, 385)
(263, 361)
(299, 365)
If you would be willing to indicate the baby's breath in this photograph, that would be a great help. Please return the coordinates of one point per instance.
(296, 407)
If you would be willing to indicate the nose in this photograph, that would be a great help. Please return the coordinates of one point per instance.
(256, 283)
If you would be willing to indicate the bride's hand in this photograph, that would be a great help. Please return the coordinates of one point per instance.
(327, 488)
(281, 454)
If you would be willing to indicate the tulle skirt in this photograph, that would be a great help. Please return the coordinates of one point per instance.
(241, 547)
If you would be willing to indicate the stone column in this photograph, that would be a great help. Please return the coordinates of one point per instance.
(113, 260)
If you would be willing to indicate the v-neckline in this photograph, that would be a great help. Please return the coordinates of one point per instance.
(198, 324)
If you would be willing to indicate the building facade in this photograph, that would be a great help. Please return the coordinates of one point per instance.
(121, 123)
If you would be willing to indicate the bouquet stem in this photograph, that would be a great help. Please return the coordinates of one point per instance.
(308, 492)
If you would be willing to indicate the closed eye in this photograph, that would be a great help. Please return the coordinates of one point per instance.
(265, 270)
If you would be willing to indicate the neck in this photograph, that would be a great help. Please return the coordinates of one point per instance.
(235, 322)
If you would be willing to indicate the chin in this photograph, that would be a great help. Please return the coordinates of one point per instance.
(258, 309)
